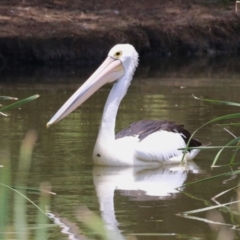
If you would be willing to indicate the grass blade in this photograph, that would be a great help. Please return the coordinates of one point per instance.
(20, 206)
(94, 223)
(225, 117)
(210, 178)
(222, 193)
(204, 220)
(211, 147)
(220, 151)
(208, 208)
(19, 103)
(218, 101)
(7, 98)
(229, 124)
(24, 196)
(4, 193)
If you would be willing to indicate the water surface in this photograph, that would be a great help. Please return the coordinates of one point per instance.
(133, 203)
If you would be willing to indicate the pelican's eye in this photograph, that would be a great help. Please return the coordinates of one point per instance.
(118, 54)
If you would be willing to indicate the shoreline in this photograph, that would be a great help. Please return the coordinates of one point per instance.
(85, 36)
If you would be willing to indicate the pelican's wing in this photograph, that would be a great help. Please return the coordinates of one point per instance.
(160, 140)
(160, 146)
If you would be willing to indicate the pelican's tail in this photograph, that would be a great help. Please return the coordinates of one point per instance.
(193, 153)
(189, 156)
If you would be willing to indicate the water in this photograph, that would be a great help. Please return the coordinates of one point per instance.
(133, 203)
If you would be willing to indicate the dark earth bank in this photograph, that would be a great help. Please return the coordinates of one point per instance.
(76, 31)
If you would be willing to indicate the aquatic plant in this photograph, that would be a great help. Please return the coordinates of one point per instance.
(16, 104)
(20, 228)
(232, 208)
(216, 120)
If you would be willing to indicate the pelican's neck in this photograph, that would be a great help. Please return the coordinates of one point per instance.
(118, 91)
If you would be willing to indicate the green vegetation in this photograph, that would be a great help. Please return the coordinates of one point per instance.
(216, 120)
(234, 209)
(19, 226)
(22, 229)
(16, 104)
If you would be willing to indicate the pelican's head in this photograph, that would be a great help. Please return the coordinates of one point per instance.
(122, 60)
(127, 54)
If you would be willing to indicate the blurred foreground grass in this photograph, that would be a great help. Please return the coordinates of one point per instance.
(14, 201)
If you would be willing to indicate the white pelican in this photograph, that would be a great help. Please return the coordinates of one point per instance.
(142, 143)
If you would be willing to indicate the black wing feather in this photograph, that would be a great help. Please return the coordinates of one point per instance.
(144, 128)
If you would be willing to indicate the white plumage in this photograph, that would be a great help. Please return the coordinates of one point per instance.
(143, 143)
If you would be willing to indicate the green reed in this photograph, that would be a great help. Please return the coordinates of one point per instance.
(18, 103)
(232, 207)
(14, 222)
(232, 144)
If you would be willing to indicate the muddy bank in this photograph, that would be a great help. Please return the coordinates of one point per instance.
(85, 49)
(166, 68)
(50, 32)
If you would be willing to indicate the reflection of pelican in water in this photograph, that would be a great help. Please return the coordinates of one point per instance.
(143, 143)
(139, 183)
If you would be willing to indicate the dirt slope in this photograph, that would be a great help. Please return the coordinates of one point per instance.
(68, 31)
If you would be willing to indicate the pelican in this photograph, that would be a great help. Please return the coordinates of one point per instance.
(147, 142)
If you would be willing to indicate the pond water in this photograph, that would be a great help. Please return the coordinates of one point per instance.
(94, 202)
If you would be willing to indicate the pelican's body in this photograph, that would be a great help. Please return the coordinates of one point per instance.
(144, 142)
